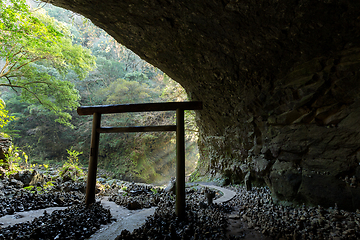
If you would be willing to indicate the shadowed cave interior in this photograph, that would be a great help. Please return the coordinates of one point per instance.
(279, 81)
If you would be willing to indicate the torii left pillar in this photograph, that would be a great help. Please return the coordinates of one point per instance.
(93, 160)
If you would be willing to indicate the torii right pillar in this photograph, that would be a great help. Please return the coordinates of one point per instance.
(180, 164)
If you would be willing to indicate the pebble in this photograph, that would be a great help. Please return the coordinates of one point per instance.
(284, 222)
(199, 223)
(27, 201)
(202, 220)
(75, 222)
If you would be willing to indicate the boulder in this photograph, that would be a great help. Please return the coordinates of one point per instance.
(70, 186)
(171, 187)
(133, 205)
(101, 180)
(247, 181)
(16, 183)
(37, 179)
(68, 176)
(29, 178)
(209, 195)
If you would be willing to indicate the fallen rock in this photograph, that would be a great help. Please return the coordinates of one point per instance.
(16, 183)
(29, 178)
(171, 187)
(70, 186)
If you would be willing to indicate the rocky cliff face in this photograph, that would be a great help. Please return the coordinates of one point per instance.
(279, 80)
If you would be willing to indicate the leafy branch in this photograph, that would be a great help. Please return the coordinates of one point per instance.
(33, 46)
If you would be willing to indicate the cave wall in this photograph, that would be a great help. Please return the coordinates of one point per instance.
(302, 139)
(279, 80)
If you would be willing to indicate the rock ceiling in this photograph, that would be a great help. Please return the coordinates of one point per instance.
(279, 80)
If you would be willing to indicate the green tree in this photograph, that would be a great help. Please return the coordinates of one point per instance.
(4, 114)
(36, 52)
(124, 91)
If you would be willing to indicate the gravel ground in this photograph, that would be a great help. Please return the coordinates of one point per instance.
(249, 212)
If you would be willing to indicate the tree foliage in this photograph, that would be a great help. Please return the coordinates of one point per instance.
(4, 114)
(36, 53)
(129, 91)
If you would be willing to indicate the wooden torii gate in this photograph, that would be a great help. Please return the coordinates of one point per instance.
(179, 107)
